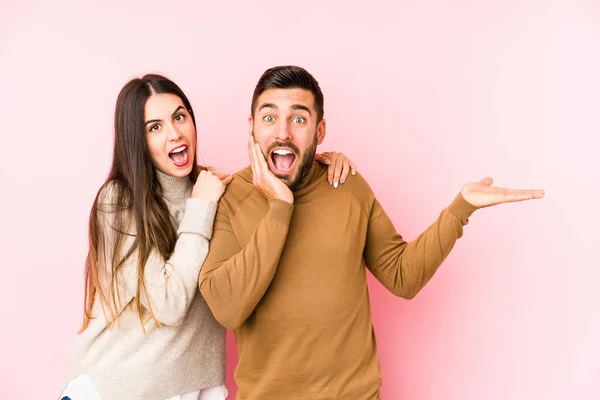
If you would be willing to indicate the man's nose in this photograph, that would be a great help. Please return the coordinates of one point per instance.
(283, 133)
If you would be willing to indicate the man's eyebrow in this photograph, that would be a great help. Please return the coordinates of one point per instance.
(268, 105)
(301, 107)
(293, 107)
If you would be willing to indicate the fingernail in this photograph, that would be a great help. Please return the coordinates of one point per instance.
(342, 180)
(335, 184)
(329, 179)
(327, 162)
(354, 173)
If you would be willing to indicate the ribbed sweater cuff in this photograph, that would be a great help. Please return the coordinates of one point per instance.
(199, 217)
(461, 209)
(280, 210)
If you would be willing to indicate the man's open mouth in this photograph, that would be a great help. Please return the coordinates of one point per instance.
(283, 160)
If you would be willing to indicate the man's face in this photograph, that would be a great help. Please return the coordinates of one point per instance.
(285, 127)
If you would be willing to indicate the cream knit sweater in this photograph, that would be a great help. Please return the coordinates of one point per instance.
(188, 352)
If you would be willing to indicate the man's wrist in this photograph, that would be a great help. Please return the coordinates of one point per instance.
(280, 210)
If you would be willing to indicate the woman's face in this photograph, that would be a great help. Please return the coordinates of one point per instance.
(170, 134)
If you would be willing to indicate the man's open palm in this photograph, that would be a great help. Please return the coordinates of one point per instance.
(482, 194)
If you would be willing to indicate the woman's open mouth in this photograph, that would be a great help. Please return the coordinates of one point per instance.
(179, 156)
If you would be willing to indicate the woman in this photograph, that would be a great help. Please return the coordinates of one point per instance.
(147, 332)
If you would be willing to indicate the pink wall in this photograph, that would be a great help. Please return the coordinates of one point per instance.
(424, 97)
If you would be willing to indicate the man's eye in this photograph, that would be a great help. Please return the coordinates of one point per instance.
(299, 120)
(268, 118)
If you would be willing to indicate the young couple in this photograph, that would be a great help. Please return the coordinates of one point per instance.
(286, 265)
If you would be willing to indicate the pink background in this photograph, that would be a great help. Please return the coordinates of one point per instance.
(424, 97)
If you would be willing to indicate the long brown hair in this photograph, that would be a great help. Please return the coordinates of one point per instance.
(135, 199)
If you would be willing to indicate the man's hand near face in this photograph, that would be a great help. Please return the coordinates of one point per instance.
(269, 185)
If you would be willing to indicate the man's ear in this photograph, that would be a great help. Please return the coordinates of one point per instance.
(250, 124)
(321, 131)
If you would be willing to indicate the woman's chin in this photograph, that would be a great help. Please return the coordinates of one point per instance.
(178, 172)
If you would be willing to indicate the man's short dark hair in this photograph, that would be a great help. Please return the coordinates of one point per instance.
(289, 77)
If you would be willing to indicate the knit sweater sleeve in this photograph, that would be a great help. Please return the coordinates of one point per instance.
(234, 278)
(404, 268)
(170, 284)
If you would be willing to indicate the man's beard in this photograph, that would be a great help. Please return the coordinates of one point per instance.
(305, 163)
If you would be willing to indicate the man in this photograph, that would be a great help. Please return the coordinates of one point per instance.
(286, 266)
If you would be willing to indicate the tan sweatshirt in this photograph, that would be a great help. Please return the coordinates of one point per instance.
(290, 280)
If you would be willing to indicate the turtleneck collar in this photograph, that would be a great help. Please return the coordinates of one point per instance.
(310, 180)
(175, 188)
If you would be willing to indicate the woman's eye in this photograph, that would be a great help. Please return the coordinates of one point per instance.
(299, 120)
(154, 128)
(179, 117)
(268, 118)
